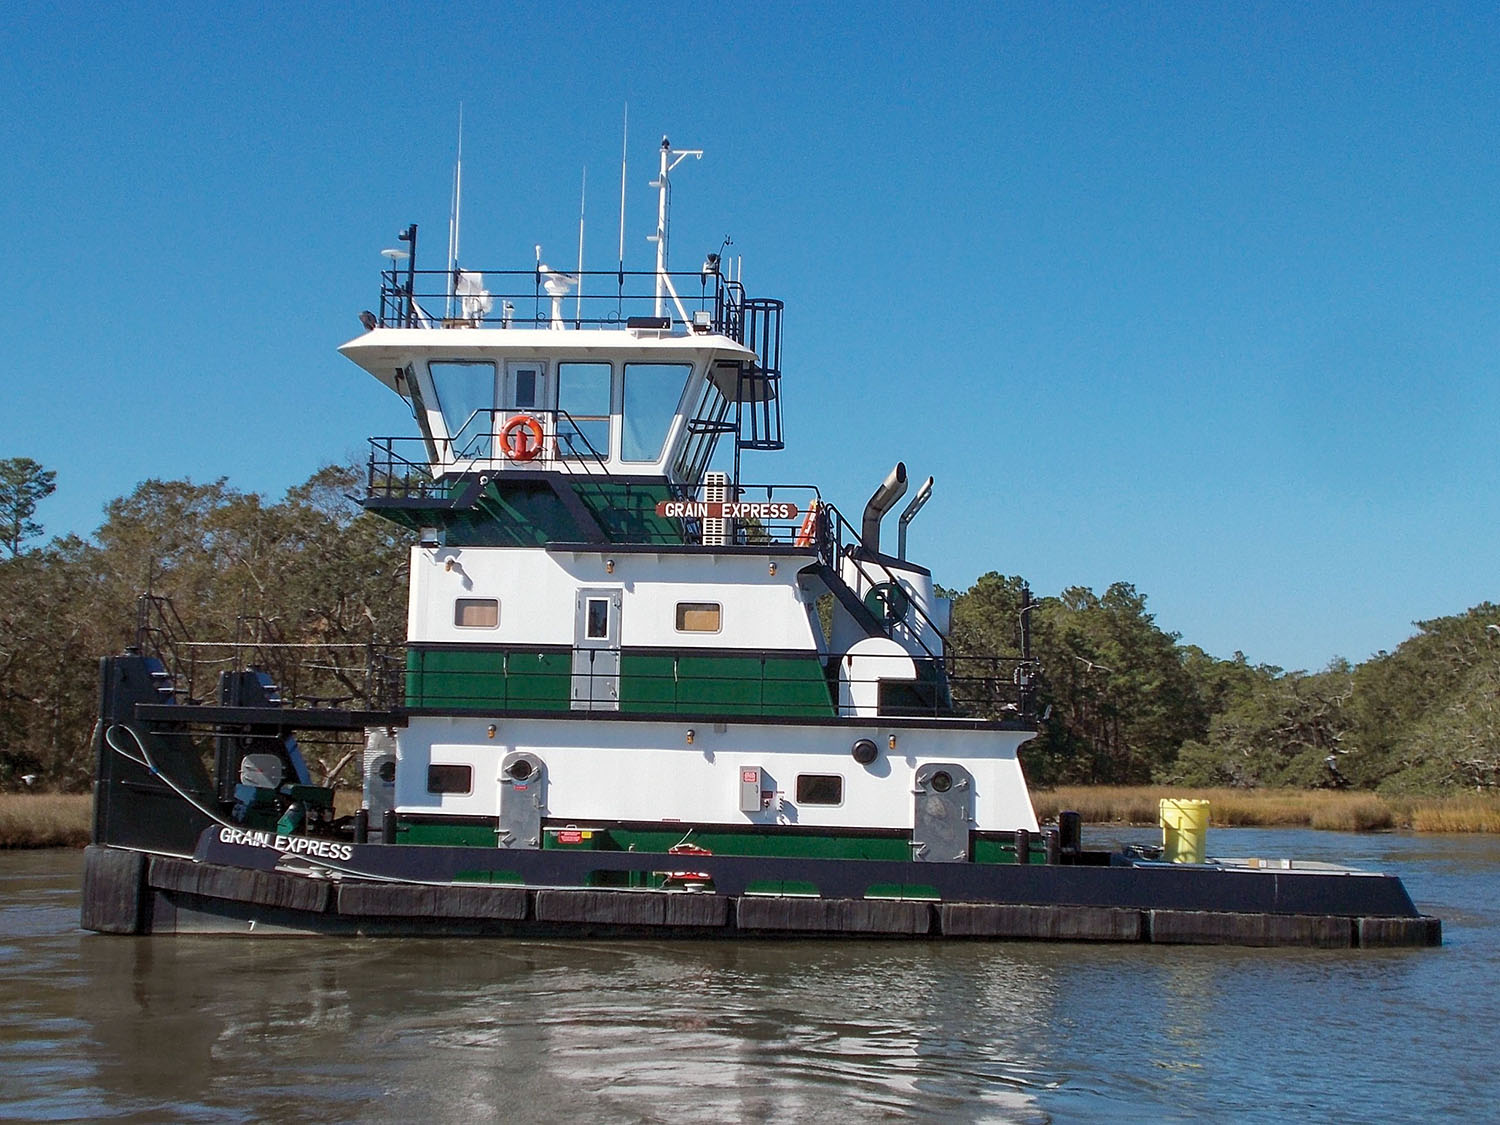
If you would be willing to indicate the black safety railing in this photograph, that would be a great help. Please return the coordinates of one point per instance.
(591, 299)
(160, 633)
(973, 680)
(402, 467)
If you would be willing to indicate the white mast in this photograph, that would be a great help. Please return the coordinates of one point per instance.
(583, 188)
(663, 186)
(458, 187)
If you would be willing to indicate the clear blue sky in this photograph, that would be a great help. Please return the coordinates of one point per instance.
(1200, 297)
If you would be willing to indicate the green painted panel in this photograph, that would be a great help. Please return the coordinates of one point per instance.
(528, 513)
(779, 844)
(627, 510)
(447, 835)
(1003, 850)
(455, 678)
(539, 681)
(687, 683)
(494, 679)
(648, 683)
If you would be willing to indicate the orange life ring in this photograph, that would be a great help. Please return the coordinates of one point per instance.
(516, 447)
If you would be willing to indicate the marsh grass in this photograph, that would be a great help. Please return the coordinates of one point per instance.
(44, 820)
(62, 820)
(1337, 810)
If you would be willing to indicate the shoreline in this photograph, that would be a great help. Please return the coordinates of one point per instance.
(63, 820)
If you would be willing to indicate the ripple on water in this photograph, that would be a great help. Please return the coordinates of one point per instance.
(234, 1029)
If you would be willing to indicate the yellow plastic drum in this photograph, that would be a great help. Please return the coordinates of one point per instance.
(1184, 830)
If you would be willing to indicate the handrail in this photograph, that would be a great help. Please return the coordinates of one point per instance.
(405, 295)
(159, 632)
(838, 542)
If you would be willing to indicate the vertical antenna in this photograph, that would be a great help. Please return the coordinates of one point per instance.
(458, 187)
(583, 188)
(624, 146)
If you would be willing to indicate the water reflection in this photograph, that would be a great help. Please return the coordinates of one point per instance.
(255, 1029)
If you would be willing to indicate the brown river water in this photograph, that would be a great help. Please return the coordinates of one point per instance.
(273, 1029)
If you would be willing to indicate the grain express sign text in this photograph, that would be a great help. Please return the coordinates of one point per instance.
(766, 511)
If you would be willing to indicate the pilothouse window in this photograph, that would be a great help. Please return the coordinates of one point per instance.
(652, 392)
(466, 398)
(583, 392)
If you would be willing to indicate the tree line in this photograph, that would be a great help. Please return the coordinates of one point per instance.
(1127, 703)
(1124, 702)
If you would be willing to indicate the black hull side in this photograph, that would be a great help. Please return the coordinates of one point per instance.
(233, 888)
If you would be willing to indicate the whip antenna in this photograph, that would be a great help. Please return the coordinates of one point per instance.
(583, 188)
(624, 146)
(458, 188)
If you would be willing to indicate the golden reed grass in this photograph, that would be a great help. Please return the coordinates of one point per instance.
(62, 820)
(1338, 810)
(44, 820)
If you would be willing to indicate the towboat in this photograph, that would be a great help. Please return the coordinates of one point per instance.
(640, 694)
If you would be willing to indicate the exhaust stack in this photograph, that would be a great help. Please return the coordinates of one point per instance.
(893, 488)
(923, 495)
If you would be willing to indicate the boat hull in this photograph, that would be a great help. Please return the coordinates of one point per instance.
(400, 890)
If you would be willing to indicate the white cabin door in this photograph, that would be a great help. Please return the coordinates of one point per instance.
(596, 651)
(525, 390)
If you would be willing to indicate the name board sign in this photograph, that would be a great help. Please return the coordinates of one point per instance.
(287, 845)
(765, 510)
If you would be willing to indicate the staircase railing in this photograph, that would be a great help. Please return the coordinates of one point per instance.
(160, 633)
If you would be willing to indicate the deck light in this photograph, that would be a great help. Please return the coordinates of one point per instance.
(691, 735)
(490, 732)
(609, 566)
(891, 742)
(772, 568)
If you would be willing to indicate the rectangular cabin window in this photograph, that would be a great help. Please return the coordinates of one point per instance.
(450, 779)
(820, 789)
(525, 388)
(652, 392)
(698, 617)
(476, 613)
(466, 400)
(583, 399)
(596, 623)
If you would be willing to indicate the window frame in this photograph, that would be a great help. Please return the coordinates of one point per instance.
(438, 789)
(679, 616)
(460, 603)
(803, 799)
